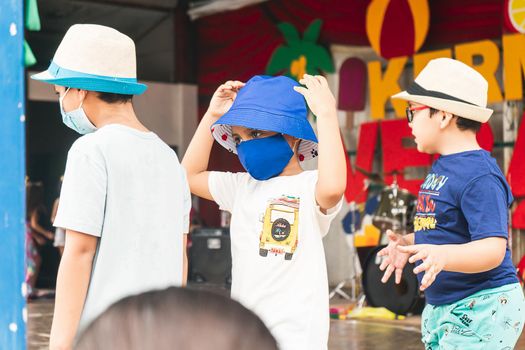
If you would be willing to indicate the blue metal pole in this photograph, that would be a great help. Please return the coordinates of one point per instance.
(13, 313)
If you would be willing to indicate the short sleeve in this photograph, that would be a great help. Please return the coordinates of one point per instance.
(324, 220)
(83, 194)
(186, 205)
(485, 207)
(223, 188)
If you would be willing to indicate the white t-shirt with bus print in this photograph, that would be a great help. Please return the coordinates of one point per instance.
(278, 260)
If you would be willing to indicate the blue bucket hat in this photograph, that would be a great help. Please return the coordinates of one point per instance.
(95, 58)
(271, 104)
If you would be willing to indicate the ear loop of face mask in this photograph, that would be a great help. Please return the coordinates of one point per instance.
(76, 119)
(64, 96)
(296, 145)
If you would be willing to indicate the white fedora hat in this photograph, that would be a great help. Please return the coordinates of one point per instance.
(96, 58)
(451, 86)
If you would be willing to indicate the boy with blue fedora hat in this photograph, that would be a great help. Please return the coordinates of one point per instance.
(124, 201)
(460, 247)
(280, 213)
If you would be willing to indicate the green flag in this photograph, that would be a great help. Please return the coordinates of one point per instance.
(32, 17)
(29, 57)
(32, 22)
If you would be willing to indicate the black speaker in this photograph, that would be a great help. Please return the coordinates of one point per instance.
(210, 259)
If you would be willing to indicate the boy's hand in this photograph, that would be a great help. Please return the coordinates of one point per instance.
(318, 95)
(434, 259)
(394, 259)
(223, 98)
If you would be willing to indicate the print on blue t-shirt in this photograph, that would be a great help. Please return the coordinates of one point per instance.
(464, 198)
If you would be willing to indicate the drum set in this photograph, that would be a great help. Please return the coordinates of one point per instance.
(392, 208)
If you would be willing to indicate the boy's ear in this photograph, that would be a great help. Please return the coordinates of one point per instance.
(446, 119)
(83, 93)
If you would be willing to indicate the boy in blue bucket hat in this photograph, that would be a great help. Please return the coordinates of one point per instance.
(280, 213)
(125, 200)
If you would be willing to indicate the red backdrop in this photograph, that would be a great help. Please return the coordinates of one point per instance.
(238, 44)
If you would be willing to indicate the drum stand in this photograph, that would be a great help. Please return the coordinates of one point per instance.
(352, 280)
(339, 290)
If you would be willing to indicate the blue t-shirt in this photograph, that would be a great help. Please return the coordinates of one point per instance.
(464, 198)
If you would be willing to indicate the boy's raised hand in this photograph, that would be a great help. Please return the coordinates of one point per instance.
(223, 98)
(394, 260)
(434, 259)
(318, 95)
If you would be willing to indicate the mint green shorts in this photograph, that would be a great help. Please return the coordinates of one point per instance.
(490, 319)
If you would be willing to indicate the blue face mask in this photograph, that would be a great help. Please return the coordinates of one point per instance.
(265, 158)
(76, 119)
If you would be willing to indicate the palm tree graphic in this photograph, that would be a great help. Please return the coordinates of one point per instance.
(299, 56)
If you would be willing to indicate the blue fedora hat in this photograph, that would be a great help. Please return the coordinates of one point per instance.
(271, 104)
(95, 58)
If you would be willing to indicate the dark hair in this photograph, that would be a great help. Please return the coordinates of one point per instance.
(463, 124)
(109, 97)
(177, 318)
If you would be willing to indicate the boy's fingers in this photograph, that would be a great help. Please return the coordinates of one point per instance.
(430, 275)
(310, 81)
(391, 235)
(383, 252)
(322, 80)
(419, 269)
(224, 87)
(411, 249)
(399, 273)
(303, 91)
(432, 279)
(424, 266)
(384, 264)
(388, 273)
(427, 280)
(421, 255)
(306, 82)
(238, 84)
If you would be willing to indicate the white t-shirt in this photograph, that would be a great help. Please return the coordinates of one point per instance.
(128, 188)
(278, 261)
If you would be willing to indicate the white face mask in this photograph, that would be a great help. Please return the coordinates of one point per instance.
(76, 119)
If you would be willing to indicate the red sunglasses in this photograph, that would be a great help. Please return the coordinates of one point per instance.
(410, 112)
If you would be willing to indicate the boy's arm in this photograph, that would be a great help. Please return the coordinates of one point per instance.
(473, 257)
(184, 260)
(72, 285)
(331, 182)
(197, 155)
(477, 256)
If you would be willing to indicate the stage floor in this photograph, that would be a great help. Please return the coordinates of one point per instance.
(359, 334)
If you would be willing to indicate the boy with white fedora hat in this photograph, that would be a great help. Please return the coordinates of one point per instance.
(474, 300)
(125, 201)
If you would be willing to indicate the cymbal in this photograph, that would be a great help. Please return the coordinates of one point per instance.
(371, 176)
(376, 175)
